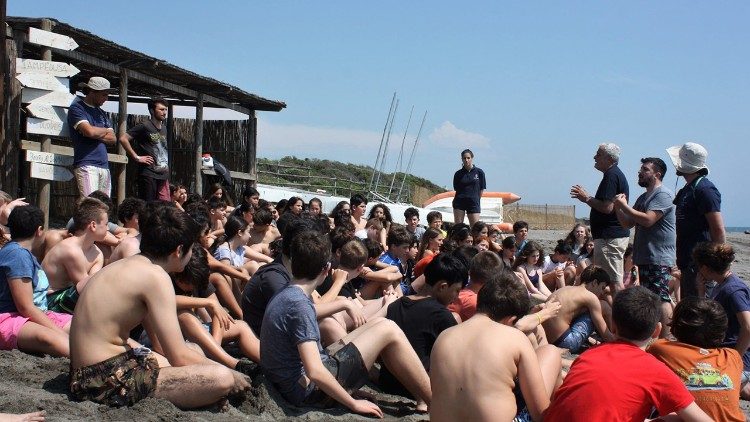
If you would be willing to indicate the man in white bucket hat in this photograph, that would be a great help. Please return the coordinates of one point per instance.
(698, 213)
(91, 133)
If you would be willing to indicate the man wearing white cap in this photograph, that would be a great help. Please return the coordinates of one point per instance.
(92, 133)
(698, 212)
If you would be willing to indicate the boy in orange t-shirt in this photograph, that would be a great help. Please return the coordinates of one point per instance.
(483, 266)
(711, 373)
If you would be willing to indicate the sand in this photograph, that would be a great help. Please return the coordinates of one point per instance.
(29, 383)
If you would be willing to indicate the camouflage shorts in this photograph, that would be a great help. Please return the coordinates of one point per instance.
(121, 380)
(63, 301)
(656, 278)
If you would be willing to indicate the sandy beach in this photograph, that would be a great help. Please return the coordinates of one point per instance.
(31, 383)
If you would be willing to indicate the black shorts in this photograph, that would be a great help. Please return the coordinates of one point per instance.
(470, 205)
(350, 371)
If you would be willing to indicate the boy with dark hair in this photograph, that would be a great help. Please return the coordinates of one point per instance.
(399, 240)
(483, 266)
(71, 263)
(424, 316)
(411, 217)
(520, 232)
(435, 220)
(580, 312)
(466, 389)
(149, 150)
(358, 204)
(104, 366)
(296, 364)
(218, 215)
(129, 210)
(25, 322)
(710, 372)
(263, 230)
(557, 269)
(635, 382)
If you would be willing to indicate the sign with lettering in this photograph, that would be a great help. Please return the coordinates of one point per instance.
(48, 158)
(55, 98)
(43, 81)
(51, 39)
(60, 69)
(47, 127)
(50, 172)
(46, 111)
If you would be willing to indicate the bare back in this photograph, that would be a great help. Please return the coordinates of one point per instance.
(117, 299)
(67, 264)
(478, 386)
(574, 301)
(267, 235)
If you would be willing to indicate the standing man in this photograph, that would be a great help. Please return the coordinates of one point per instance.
(654, 244)
(610, 238)
(150, 152)
(698, 211)
(91, 133)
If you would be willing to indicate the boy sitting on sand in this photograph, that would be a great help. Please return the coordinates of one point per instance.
(70, 263)
(104, 366)
(710, 372)
(263, 229)
(25, 323)
(466, 389)
(619, 381)
(423, 316)
(581, 311)
(483, 266)
(296, 364)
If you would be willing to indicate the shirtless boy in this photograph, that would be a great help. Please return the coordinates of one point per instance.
(128, 213)
(581, 311)
(138, 290)
(295, 362)
(72, 261)
(465, 389)
(263, 229)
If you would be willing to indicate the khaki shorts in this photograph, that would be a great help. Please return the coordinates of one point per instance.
(608, 254)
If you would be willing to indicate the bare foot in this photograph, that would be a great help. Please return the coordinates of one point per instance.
(28, 417)
(422, 407)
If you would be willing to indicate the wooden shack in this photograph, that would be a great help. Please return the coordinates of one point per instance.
(138, 77)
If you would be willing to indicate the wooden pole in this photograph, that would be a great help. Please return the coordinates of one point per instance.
(252, 148)
(44, 185)
(11, 165)
(122, 123)
(170, 140)
(3, 75)
(198, 139)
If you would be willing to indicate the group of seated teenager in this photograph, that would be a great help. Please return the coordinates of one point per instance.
(323, 303)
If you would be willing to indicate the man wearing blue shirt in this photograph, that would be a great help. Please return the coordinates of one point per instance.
(91, 132)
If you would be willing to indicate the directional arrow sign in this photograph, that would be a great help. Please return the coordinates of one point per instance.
(50, 39)
(42, 81)
(48, 172)
(42, 66)
(57, 98)
(46, 127)
(46, 111)
(48, 158)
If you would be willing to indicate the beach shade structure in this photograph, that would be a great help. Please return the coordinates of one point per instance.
(491, 205)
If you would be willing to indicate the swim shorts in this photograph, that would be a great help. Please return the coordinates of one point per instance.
(347, 366)
(63, 300)
(523, 415)
(121, 380)
(576, 336)
(656, 278)
(12, 322)
(467, 204)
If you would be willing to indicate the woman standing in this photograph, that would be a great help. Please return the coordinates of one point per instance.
(469, 184)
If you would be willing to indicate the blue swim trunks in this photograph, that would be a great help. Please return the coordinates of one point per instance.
(576, 336)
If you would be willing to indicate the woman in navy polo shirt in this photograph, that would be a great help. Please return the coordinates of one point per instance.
(469, 183)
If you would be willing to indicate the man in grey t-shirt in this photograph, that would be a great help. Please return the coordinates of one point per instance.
(653, 216)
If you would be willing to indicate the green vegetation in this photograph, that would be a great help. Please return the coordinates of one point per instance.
(340, 178)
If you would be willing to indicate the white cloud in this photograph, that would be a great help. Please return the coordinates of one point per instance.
(448, 134)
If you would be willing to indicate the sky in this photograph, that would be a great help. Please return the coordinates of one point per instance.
(531, 87)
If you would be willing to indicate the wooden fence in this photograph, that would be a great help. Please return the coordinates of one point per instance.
(541, 217)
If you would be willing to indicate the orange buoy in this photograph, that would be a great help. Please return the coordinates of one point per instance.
(507, 197)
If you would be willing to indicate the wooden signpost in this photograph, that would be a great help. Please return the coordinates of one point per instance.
(47, 127)
(46, 111)
(55, 98)
(50, 39)
(63, 70)
(50, 172)
(48, 158)
(43, 81)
